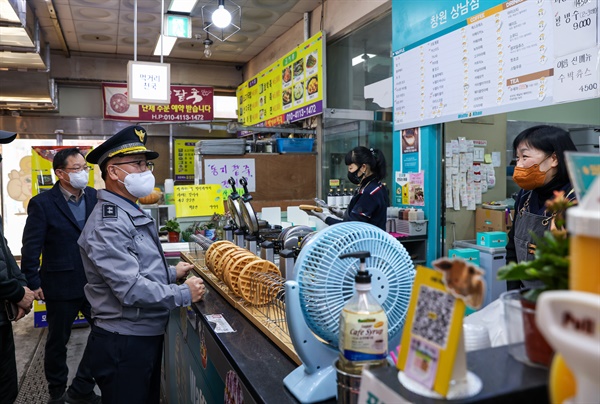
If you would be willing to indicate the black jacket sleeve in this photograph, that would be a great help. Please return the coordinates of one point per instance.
(11, 278)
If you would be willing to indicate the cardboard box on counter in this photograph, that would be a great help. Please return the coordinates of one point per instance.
(493, 220)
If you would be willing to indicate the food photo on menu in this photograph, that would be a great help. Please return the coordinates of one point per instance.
(286, 97)
(312, 86)
(311, 61)
(286, 75)
(298, 69)
(298, 92)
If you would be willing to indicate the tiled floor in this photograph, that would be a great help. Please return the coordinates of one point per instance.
(30, 342)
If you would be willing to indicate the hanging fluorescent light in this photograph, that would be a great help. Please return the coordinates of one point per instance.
(182, 6)
(167, 45)
(221, 17)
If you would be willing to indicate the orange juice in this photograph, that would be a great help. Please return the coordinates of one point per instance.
(584, 270)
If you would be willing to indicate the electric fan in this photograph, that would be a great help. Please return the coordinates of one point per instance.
(319, 286)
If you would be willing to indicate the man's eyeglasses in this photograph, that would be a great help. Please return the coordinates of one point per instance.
(77, 169)
(143, 165)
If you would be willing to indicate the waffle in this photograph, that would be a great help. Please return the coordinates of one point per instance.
(231, 276)
(229, 260)
(245, 278)
(212, 250)
(220, 261)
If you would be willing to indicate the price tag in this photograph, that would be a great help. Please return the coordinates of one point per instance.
(198, 200)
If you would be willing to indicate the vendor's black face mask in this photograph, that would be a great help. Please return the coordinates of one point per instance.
(353, 176)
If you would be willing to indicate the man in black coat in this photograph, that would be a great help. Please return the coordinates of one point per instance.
(54, 222)
(15, 296)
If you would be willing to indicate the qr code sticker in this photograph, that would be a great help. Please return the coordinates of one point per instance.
(433, 315)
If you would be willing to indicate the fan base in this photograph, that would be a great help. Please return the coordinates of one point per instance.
(470, 387)
(313, 387)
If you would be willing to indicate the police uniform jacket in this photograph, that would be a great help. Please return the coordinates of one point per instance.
(131, 288)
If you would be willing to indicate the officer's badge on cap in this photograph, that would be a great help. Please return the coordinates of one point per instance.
(131, 140)
(7, 137)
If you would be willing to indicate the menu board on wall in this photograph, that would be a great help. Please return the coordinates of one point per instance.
(188, 103)
(183, 157)
(289, 90)
(514, 55)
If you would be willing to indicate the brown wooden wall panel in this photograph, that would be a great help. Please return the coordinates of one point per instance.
(281, 179)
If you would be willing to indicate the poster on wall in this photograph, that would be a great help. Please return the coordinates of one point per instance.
(289, 90)
(42, 176)
(218, 171)
(187, 103)
(183, 159)
(487, 57)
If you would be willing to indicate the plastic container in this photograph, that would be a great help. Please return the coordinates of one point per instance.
(294, 145)
(411, 227)
(363, 336)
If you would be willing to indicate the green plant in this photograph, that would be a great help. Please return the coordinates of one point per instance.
(551, 262)
(171, 225)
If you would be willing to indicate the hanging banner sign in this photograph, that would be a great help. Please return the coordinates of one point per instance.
(289, 90)
(492, 57)
(198, 200)
(188, 103)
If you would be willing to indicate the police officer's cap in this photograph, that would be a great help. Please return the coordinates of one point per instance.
(131, 140)
(7, 137)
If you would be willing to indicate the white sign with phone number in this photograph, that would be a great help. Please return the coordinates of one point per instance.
(218, 171)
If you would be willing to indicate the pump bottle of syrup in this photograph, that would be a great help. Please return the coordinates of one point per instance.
(363, 325)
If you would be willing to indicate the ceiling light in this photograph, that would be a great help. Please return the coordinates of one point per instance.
(167, 45)
(182, 6)
(221, 17)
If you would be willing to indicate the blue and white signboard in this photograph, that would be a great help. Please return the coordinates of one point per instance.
(466, 58)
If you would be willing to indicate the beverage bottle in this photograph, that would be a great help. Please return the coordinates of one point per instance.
(330, 200)
(363, 335)
(338, 198)
(347, 197)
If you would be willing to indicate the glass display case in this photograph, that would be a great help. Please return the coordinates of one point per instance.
(341, 135)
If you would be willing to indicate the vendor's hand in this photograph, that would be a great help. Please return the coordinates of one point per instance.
(339, 212)
(320, 215)
(183, 269)
(197, 288)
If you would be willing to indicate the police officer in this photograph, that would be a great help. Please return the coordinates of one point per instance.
(131, 288)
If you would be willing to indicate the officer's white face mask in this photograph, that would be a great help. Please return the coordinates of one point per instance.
(138, 184)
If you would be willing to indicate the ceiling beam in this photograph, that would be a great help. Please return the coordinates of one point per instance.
(58, 28)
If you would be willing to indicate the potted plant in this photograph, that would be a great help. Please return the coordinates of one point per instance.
(550, 266)
(172, 228)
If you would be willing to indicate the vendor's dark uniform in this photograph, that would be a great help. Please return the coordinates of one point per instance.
(369, 204)
(531, 217)
(131, 289)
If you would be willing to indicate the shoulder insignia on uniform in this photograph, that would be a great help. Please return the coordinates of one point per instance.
(109, 210)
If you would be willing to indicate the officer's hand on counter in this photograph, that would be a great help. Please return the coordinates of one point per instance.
(197, 288)
(183, 269)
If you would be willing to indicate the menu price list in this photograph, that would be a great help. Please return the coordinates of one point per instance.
(499, 60)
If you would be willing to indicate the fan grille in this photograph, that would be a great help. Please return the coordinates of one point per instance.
(327, 282)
